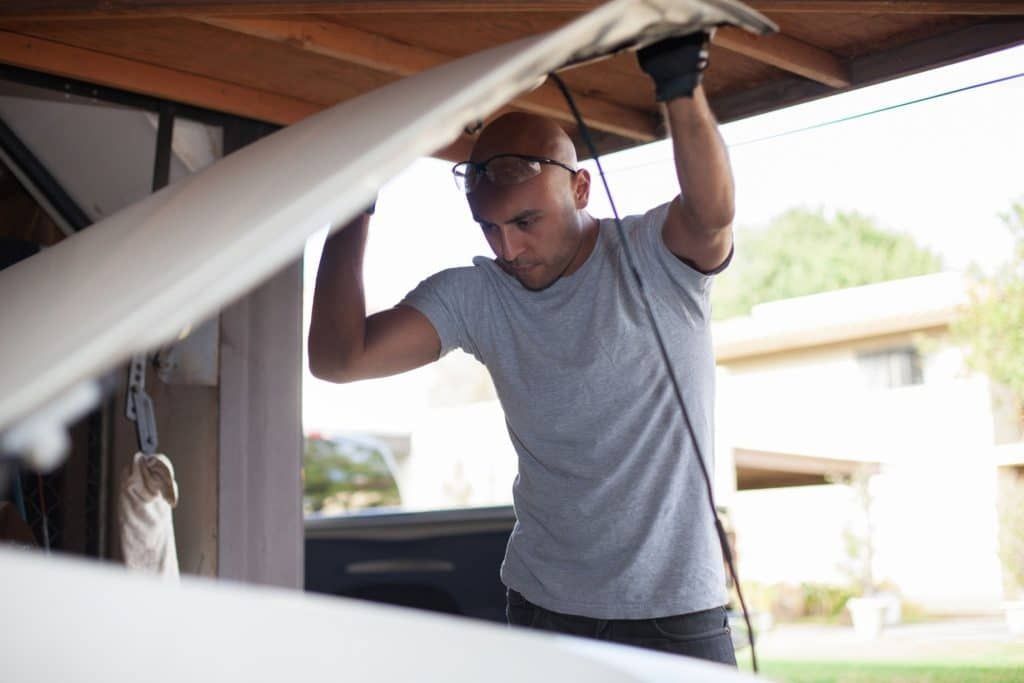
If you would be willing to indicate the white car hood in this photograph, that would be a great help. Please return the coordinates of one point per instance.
(77, 620)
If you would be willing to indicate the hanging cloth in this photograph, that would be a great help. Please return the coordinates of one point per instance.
(148, 494)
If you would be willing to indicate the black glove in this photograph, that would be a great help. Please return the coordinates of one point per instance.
(675, 64)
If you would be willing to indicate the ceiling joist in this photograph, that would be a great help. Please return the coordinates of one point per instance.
(94, 9)
(400, 59)
(157, 81)
(787, 54)
(77, 63)
(903, 60)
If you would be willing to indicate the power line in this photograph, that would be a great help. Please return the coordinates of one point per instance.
(880, 110)
(833, 122)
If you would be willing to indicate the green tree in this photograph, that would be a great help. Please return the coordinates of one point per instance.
(991, 329)
(992, 325)
(802, 252)
(333, 470)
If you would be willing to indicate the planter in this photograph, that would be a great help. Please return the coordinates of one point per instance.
(868, 616)
(893, 608)
(1014, 616)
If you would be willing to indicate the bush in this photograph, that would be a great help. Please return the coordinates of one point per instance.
(823, 600)
(788, 602)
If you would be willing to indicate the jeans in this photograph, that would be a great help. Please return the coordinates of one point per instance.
(704, 635)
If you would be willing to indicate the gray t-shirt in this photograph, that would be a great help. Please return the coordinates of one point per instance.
(613, 520)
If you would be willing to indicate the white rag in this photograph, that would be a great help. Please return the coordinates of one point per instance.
(148, 493)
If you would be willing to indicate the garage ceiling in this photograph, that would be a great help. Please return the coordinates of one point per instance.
(280, 61)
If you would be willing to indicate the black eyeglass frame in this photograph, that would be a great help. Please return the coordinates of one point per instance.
(481, 167)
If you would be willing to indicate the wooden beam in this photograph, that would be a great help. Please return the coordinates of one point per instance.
(862, 7)
(157, 81)
(94, 9)
(922, 55)
(787, 54)
(178, 86)
(334, 40)
(383, 54)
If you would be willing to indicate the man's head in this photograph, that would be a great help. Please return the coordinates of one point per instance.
(535, 227)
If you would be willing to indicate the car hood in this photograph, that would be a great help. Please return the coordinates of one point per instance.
(113, 625)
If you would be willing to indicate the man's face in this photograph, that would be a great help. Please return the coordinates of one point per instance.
(534, 227)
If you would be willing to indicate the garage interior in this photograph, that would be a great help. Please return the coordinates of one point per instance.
(102, 103)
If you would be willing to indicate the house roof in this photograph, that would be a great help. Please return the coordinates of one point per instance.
(280, 61)
(899, 306)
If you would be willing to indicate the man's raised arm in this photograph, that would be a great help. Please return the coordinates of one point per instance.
(699, 224)
(345, 345)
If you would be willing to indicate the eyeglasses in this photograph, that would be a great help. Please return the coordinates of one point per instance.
(502, 169)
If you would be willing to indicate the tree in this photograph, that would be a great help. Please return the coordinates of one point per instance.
(802, 252)
(345, 474)
(991, 327)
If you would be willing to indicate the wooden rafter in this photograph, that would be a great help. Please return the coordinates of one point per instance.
(947, 48)
(786, 53)
(390, 56)
(92, 9)
(157, 81)
(861, 7)
(103, 69)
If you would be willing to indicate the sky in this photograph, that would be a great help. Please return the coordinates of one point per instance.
(941, 170)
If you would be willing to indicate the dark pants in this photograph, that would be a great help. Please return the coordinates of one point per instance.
(704, 635)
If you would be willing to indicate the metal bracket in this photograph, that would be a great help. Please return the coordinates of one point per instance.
(139, 407)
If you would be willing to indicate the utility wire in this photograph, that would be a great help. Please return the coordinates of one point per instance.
(844, 119)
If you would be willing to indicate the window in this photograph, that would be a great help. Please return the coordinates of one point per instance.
(891, 368)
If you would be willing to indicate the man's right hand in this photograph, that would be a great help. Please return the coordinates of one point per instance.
(345, 345)
(676, 65)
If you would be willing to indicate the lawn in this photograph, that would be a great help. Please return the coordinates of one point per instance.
(991, 663)
(890, 672)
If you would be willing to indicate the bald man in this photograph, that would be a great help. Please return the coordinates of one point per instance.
(614, 537)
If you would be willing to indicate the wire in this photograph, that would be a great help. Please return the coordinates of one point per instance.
(844, 119)
(42, 510)
(880, 110)
(659, 337)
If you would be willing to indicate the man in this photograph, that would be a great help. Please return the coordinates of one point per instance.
(614, 537)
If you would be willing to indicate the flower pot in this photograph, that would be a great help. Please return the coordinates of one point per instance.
(1014, 611)
(868, 616)
(893, 608)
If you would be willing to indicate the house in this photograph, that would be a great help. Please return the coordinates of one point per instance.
(814, 391)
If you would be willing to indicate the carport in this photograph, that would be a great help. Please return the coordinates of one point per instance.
(227, 403)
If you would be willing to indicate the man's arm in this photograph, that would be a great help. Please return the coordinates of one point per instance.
(345, 345)
(698, 228)
(699, 224)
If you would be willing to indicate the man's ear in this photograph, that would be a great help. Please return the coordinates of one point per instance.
(581, 188)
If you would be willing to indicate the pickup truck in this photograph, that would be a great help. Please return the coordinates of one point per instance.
(443, 561)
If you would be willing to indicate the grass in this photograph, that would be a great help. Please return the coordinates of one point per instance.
(1003, 663)
(889, 672)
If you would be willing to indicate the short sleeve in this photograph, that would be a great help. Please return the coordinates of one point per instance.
(442, 299)
(671, 278)
(648, 231)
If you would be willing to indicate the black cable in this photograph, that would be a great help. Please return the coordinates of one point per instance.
(627, 251)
